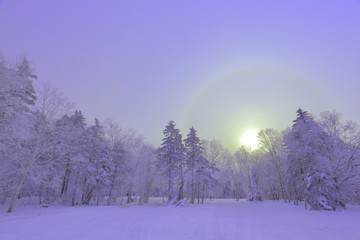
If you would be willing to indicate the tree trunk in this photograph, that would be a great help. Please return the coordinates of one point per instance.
(11, 206)
(170, 184)
(129, 199)
(203, 194)
(192, 186)
(110, 198)
(24, 175)
(65, 181)
(74, 191)
(88, 196)
(181, 190)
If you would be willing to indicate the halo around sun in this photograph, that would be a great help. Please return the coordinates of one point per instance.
(250, 139)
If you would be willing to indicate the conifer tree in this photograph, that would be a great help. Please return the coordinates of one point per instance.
(308, 146)
(172, 161)
(196, 163)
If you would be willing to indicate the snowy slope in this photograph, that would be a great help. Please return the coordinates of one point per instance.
(218, 219)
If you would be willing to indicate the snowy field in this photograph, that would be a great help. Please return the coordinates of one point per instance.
(217, 220)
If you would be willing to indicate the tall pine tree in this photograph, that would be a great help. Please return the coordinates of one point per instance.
(172, 161)
(195, 162)
(198, 168)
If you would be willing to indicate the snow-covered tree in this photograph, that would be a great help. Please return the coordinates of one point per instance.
(133, 144)
(71, 139)
(271, 145)
(308, 147)
(51, 103)
(342, 153)
(145, 174)
(198, 168)
(323, 192)
(172, 161)
(302, 144)
(117, 155)
(46, 176)
(17, 95)
(97, 180)
(228, 184)
(249, 170)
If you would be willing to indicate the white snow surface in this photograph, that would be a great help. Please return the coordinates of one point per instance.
(216, 220)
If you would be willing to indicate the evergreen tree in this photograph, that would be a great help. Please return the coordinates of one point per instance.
(301, 144)
(172, 161)
(323, 192)
(197, 165)
(308, 147)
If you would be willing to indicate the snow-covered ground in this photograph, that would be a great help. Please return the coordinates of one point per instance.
(217, 219)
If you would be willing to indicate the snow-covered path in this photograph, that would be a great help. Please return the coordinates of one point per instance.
(219, 219)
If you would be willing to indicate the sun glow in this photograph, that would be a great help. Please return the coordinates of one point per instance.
(250, 139)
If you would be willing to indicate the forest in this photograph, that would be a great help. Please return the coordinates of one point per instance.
(50, 152)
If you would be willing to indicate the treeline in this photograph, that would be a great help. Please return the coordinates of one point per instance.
(49, 151)
(317, 162)
(59, 158)
(314, 161)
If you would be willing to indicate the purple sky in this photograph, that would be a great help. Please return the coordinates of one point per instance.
(222, 66)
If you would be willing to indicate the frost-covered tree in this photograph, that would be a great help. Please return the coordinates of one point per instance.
(17, 95)
(34, 171)
(303, 146)
(228, 184)
(51, 103)
(145, 174)
(172, 161)
(249, 170)
(117, 155)
(46, 176)
(133, 144)
(97, 180)
(271, 145)
(323, 192)
(342, 153)
(71, 140)
(198, 168)
(308, 147)
(195, 162)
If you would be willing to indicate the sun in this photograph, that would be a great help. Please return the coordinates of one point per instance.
(250, 139)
